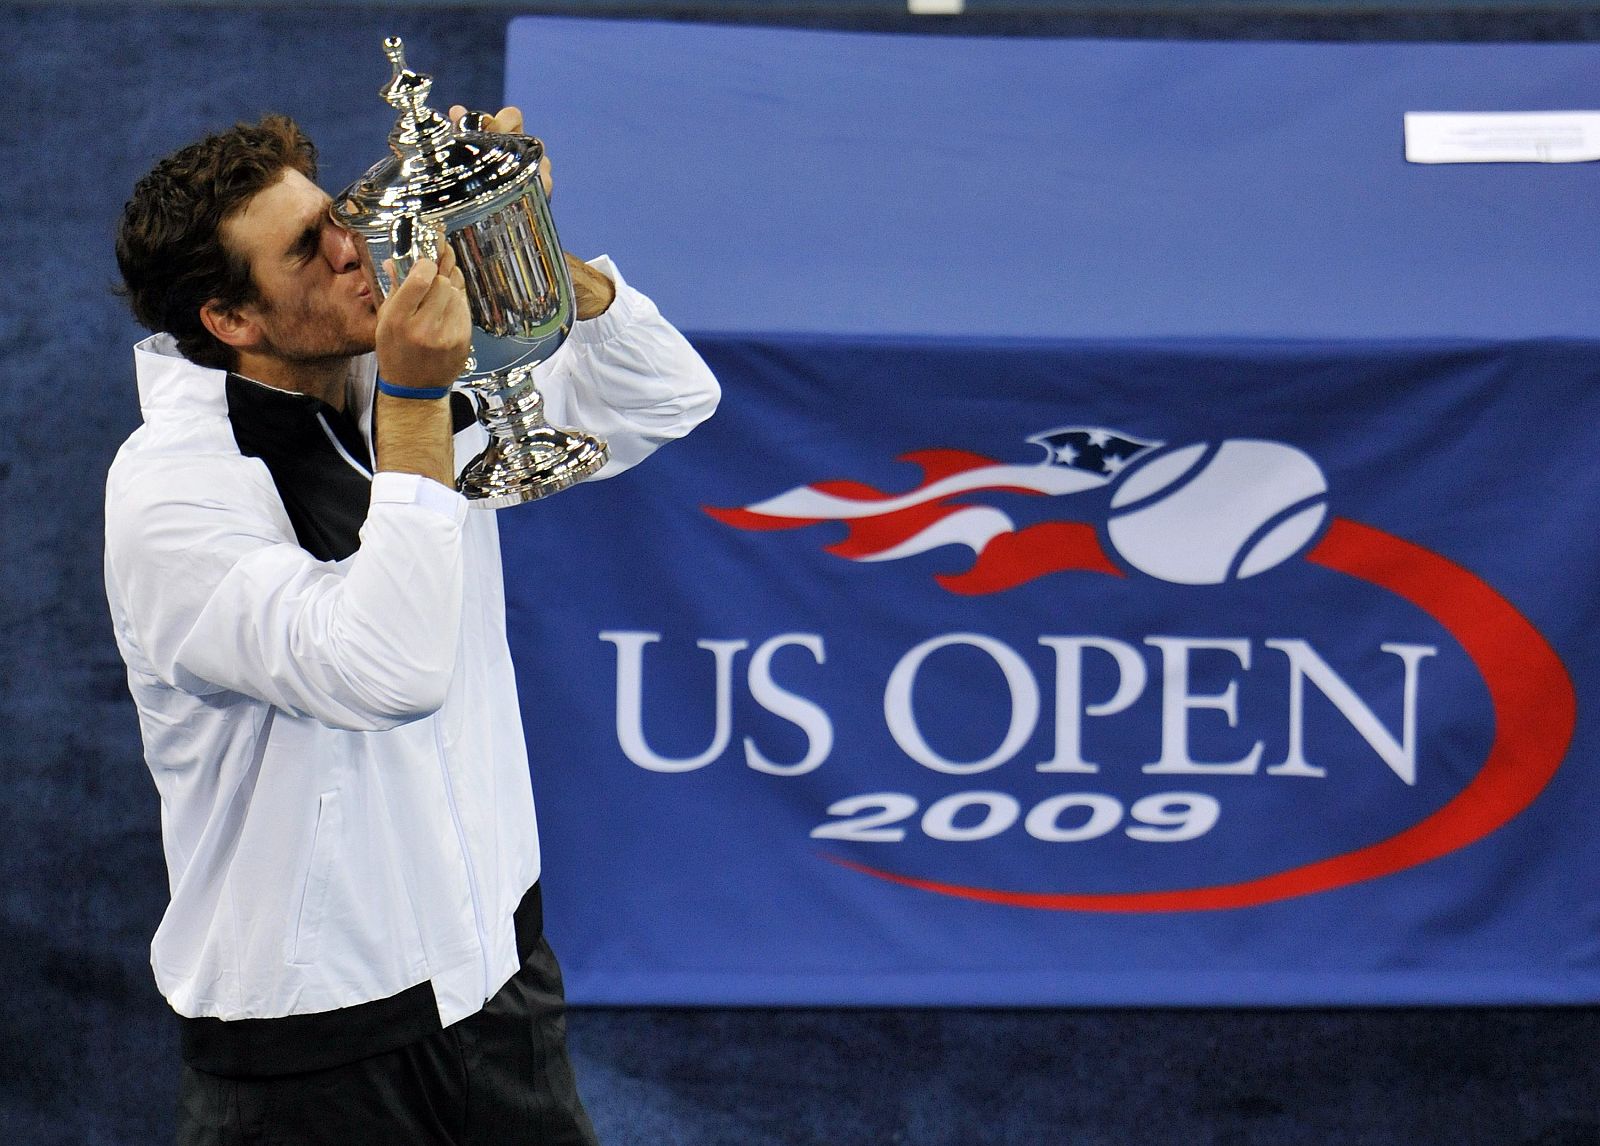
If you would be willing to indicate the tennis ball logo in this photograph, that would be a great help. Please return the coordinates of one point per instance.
(1204, 514)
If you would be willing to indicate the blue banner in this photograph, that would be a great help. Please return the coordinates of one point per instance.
(1054, 674)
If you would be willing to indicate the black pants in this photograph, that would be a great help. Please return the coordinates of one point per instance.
(499, 1078)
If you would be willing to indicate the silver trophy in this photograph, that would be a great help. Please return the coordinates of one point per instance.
(481, 192)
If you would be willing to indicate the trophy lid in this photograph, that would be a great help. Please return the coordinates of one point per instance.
(435, 172)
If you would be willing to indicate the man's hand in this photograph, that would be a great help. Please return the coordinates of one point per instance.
(424, 337)
(592, 291)
(425, 326)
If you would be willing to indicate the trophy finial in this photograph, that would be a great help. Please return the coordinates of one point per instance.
(406, 89)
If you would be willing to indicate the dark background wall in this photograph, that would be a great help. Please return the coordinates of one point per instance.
(91, 95)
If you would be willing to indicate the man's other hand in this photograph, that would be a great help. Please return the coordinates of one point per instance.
(592, 291)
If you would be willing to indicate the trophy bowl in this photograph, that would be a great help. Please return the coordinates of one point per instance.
(480, 192)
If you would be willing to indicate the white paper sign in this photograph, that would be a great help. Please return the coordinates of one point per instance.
(1502, 136)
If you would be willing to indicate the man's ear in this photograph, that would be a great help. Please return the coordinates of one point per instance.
(230, 327)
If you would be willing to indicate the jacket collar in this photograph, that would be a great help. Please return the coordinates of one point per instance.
(169, 381)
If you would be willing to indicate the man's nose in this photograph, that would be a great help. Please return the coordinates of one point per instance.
(339, 248)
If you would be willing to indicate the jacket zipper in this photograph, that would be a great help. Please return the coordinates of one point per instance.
(466, 856)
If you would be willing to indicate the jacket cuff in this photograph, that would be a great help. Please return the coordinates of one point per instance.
(391, 488)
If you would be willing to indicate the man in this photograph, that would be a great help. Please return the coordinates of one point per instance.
(313, 623)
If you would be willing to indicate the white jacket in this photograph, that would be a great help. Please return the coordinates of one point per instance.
(345, 801)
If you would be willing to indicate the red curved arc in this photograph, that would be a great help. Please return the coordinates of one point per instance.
(1535, 710)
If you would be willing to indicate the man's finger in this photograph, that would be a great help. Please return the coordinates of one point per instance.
(440, 295)
(447, 255)
(408, 296)
(444, 320)
(450, 266)
(508, 120)
(445, 294)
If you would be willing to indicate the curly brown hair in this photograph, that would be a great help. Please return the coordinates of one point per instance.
(169, 244)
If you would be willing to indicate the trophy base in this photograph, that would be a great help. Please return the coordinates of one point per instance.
(546, 461)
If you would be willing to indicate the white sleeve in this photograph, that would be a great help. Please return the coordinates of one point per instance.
(628, 376)
(210, 592)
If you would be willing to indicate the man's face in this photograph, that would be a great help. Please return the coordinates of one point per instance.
(315, 301)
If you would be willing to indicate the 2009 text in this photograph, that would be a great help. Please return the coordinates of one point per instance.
(1072, 817)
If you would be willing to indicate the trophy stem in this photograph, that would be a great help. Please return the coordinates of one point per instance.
(527, 457)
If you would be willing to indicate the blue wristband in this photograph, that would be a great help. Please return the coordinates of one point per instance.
(421, 393)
